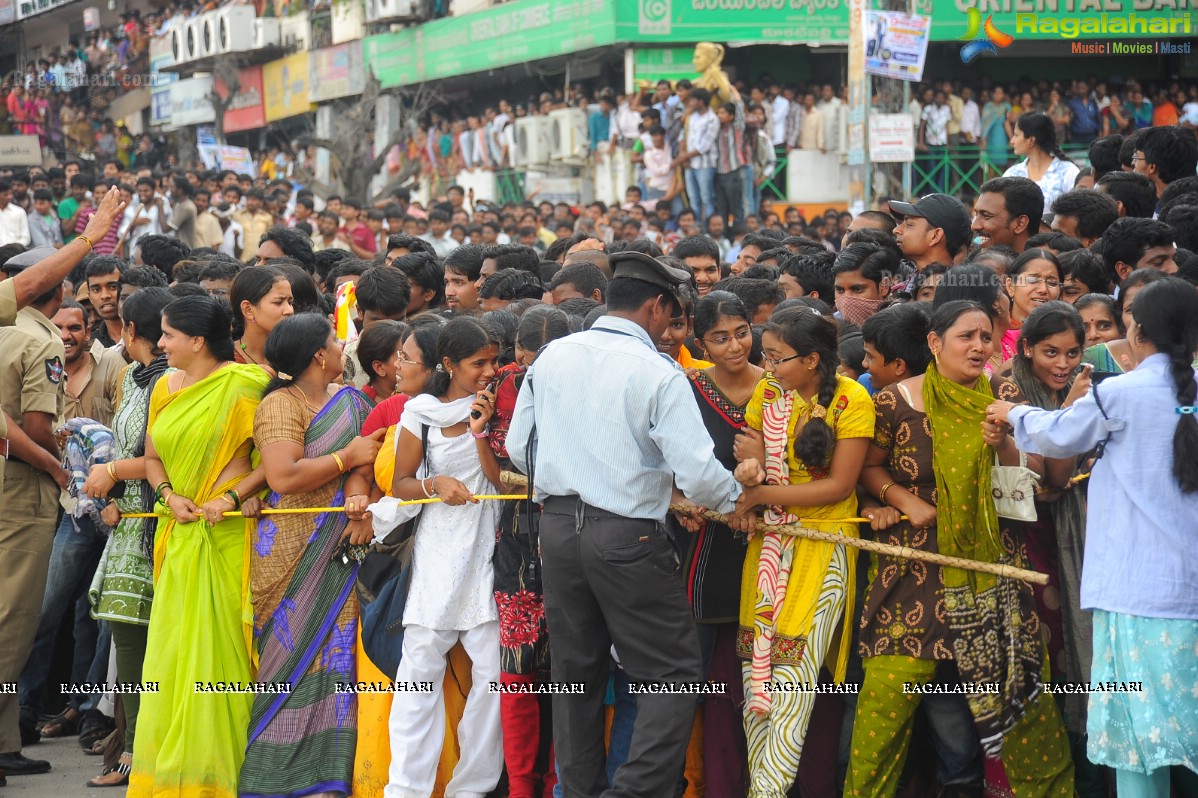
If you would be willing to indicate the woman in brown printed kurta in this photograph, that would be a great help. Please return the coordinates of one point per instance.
(903, 612)
(913, 628)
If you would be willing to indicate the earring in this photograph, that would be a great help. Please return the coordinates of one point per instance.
(322, 361)
(451, 374)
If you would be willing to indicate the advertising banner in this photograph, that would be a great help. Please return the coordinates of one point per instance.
(285, 86)
(246, 112)
(896, 45)
(335, 72)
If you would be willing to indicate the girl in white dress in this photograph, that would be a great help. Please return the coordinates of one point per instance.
(451, 597)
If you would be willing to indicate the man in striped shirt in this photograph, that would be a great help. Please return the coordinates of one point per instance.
(107, 244)
(730, 159)
(699, 154)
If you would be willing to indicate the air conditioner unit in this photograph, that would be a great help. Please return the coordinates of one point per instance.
(569, 135)
(179, 43)
(208, 34)
(533, 141)
(266, 33)
(232, 28)
(193, 47)
(294, 31)
(399, 10)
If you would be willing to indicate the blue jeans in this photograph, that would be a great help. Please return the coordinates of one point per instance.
(955, 738)
(750, 194)
(700, 190)
(621, 725)
(78, 546)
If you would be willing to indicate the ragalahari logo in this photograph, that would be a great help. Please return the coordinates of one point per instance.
(993, 39)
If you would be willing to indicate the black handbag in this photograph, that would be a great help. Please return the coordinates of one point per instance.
(383, 581)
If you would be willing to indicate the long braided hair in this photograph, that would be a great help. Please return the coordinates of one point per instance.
(807, 332)
(1167, 314)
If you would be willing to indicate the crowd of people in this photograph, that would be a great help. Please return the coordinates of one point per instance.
(1009, 382)
(729, 153)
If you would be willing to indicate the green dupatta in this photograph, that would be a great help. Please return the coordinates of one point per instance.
(993, 627)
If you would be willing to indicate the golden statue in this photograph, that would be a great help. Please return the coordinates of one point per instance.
(707, 61)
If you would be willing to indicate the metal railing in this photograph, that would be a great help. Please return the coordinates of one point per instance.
(509, 186)
(961, 171)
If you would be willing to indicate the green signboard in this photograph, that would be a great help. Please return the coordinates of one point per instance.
(530, 30)
(663, 63)
(513, 33)
(777, 21)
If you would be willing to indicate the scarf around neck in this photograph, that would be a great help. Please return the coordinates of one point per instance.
(424, 410)
(966, 520)
(988, 617)
(427, 410)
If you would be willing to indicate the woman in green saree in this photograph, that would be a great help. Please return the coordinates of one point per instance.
(305, 610)
(191, 737)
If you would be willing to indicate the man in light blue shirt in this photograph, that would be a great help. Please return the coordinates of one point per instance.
(605, 426)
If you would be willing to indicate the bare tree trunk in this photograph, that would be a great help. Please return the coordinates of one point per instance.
(353, 162)
(228, 71)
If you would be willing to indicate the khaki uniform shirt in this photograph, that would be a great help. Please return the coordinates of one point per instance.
(8, 317)
(97, 398)
(31, 370)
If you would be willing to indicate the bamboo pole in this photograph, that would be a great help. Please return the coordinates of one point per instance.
(905, 552)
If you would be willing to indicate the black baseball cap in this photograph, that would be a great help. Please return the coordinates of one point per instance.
(943, 211)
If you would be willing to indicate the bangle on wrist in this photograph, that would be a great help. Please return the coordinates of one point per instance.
(882, 493)
(432, 481)
(340, 463)
(85, 240)
(111, 469)
(424, 488)
(233, 496)
(479, 435)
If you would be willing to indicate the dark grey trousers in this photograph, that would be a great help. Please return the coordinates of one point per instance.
(610, 580)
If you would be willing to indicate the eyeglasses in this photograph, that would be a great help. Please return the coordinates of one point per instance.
(775, 362)
(741, 335)
(1032, 279)
(403, 361)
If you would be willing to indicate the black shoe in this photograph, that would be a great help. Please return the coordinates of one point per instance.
(15, 764)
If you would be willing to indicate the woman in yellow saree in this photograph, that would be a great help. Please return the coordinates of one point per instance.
(192, 736)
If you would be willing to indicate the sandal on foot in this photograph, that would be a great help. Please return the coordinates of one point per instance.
(62, 724)
(123, 767)
(95, 727)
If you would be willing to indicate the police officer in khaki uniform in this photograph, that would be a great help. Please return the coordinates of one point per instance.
(32, 397)
(28, 282)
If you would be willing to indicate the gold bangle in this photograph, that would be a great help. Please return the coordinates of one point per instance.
(882, 493)
(85, 240)
(111, 469)
(339, 461)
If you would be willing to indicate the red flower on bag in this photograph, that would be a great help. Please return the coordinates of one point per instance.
(520, 617)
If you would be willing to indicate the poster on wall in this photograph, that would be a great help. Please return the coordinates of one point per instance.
(896, 45)
(891, 138)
